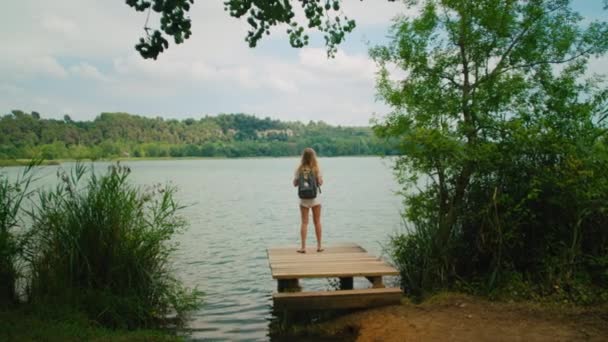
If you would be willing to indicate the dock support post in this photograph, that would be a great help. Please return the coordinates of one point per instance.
(288, 285)
(376, 282)
(346, 283)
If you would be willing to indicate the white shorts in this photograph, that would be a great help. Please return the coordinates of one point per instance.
(309, 203)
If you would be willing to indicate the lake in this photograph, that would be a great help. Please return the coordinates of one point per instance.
(239, 207)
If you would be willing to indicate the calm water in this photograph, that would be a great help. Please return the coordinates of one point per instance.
(239, 207)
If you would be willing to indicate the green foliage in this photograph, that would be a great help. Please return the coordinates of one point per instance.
(495, 117)
(12, 236)
(103, 247)
(113, 135)
(324, 16)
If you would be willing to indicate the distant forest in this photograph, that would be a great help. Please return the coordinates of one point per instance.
(110, 135)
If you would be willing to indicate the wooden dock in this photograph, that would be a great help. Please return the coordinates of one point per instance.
(344, 261)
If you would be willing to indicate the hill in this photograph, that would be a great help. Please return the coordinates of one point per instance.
(109, 135)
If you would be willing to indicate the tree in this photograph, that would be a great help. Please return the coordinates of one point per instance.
(324, 16)
(480, 74)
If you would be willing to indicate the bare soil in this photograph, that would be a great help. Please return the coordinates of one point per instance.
(456, 317)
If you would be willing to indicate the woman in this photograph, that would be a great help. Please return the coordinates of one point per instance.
(309, 164)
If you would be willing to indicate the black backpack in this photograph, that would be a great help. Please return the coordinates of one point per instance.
(307, 184)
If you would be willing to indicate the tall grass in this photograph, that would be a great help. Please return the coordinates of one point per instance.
(103, 245)
(12, 239)
(421, 260)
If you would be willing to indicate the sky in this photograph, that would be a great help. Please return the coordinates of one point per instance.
(77, 57)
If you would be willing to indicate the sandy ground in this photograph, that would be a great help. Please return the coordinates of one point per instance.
(454, 317)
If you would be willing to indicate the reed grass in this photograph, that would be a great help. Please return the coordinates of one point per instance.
(12, 237)
(103, 245)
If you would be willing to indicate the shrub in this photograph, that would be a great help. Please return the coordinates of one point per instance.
(104, 245)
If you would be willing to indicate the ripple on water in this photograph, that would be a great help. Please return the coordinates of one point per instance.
(238, 208)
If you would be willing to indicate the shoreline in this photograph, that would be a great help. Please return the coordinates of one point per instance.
(447, 315)
(51, 162)
(460, 317)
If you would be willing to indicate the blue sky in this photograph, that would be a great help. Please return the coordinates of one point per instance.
(76, 57)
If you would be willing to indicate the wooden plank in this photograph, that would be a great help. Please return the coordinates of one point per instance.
(329, 265)
(333, 268)
(307, 268)
(320, 256)
(344, 299)
(334, 273)
(368, 262)
(335, 245)
(340, 261)
(329, 261)
(321, 259)
(339, 249)
(294, 254)
(313, 250)
(316, 255)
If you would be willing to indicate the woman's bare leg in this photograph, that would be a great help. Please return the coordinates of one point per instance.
(316, 216)
(304, 227)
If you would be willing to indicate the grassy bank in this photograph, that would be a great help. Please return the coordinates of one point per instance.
(36, 324)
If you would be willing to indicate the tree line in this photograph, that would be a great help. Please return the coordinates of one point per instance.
(110, 135)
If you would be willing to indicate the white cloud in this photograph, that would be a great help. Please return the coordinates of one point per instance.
(35, 67)
(368, 14)
(177, 69)
(10, 89)
(92, 42)
(343, 65)
(86, 70)
(57, 24)
(283, 85)
(43, 101)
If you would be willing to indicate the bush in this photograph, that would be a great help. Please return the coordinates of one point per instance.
(104, 248)
(532, 224)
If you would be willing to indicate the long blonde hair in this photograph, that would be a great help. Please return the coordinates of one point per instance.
(309, 160)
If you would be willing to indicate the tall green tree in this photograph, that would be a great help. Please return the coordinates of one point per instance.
(480, 76)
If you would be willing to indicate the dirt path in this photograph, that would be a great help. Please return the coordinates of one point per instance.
(462, 318)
